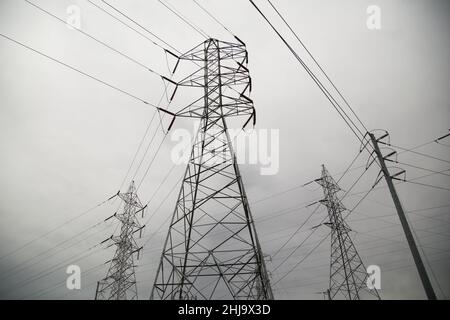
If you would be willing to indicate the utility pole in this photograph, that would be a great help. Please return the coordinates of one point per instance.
(348, 275)
(212, 250)
(406, 228)
(120, 281)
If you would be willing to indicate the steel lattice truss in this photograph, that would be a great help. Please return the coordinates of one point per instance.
(212, 250)
(348, 275)
(120, 281)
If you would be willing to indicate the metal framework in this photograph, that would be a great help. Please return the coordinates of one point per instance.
(212, 249)
(348, 275)
(120, 281)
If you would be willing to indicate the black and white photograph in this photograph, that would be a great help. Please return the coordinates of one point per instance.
(243, 151)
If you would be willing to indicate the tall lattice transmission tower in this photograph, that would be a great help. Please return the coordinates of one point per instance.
(348, 275)
(212, 250)
(120, 281)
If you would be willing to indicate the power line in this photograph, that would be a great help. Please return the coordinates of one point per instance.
(423, 217)
(44, 291)
(58, 265)
(124, 55)
(147, 148)
(161, 183)
(295, 232)
(383, 187)
(443, 144)
(424, 184)
(77, 70)
(96, 39)
(213, 17)
(417, 167)
(23, 264)
(385, 270)
(138, 149)
(348, 169)
(366, 249)
(324, 90)
(153, 159)
(298, 246)
(135, 22)
(56, 228)
(157, 209)
(428, 230)
(428, 175)
(318, 65)
(358, 203)
(428, 142)
(389, 240)
(426, 209)
(349, 166)
(415, 152)
(179, 15)
(159, 103)
(304, 258)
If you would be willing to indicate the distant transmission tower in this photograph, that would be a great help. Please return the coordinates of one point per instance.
(348, 275)
(120, 281)
(212, 249)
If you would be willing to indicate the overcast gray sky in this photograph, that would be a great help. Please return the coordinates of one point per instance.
(67, 141)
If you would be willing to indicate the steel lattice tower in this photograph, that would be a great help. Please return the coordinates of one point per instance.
(348, 275)
(120, 281)
(212, 249)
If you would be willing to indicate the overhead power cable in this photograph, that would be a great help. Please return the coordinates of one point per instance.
(428, 142)
(23, 265)
(46, 290)
(424, 184)
(157, 209)
(152, 161)
(46, 234)
(360, 135)
(120, 53)
(415, 152)
(179, 15)
(135, 22)
(213, 17)
(80, 256)
(417, 167)
(95, 39)
(303, 259)
(427, 209)
(317, 63)
(77, 70)
(296, 231)
(349, 167)
(58, 264)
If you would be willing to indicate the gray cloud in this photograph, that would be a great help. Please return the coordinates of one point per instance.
(67, 141)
